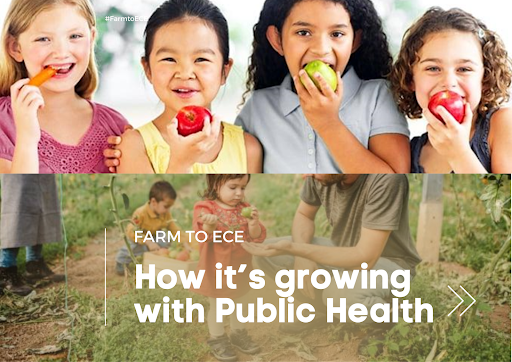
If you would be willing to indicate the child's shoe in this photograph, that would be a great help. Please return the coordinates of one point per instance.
(120, 269)
(222, 349)
(241, 340)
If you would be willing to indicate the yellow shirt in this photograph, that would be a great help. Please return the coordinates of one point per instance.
(147, 220)
(232, 157)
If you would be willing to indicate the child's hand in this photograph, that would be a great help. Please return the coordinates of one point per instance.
(209, 219)
(320, 106)
(450, 139)
(112, 154)
(153, 246)
(185, 151)
(26, 100)
(255, 217)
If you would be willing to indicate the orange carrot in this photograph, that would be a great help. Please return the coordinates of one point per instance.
(42, 76)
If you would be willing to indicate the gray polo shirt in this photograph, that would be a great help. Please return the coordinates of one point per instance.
(290, 145)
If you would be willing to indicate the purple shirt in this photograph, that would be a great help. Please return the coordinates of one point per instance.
(55, 157)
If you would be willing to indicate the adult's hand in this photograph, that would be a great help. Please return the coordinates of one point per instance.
(282, 247)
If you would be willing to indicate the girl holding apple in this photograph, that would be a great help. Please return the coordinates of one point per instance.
(452, 51)
(187, 61)
(355, 128)
(224, 209)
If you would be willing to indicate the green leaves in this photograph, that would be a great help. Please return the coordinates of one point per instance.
(126, 202)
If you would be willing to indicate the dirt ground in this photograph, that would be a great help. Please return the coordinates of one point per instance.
(87, 275)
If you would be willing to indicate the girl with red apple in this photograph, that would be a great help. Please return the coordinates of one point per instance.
(49, 123)
(356, 128)
(222, 210)
(187, 61)
(454, 53)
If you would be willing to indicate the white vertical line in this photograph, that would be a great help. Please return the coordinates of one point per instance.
(105, 277)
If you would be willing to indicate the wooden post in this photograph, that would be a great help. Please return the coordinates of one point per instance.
(430, 223)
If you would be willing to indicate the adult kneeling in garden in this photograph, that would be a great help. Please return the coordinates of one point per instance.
(370, 224)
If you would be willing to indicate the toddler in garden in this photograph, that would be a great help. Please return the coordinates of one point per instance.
(452, 50)
(53, 128)
(222, 210)
(355, 129)
(187, 61)
(154, 215)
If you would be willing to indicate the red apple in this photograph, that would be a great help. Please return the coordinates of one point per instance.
(452, 101)
(191, 119)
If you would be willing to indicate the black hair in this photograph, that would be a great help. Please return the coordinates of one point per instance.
(372, 60)
(174, 10)
(160, 190)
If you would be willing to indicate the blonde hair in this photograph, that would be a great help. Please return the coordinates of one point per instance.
(19, 17)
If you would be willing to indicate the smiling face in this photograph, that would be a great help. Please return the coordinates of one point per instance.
(449, 60)
(315, 29)
(232, 192)
(59, 37)
(186, 65)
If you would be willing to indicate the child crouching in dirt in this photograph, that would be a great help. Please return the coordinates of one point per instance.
(152, 216)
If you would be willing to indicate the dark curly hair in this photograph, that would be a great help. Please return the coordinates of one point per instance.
(267, 68)
(497, 64)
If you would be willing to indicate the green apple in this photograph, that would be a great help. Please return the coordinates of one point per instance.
(317, 66)
(194, 255)
(173, 254)
(246, 212)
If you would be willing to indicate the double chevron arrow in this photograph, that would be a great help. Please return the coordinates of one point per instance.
(461, 301)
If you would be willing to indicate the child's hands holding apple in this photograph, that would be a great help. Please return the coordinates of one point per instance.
(449, 129)
(252, 214)
(187, 150)
(320, 92)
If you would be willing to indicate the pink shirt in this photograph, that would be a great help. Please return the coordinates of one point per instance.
(55, 157)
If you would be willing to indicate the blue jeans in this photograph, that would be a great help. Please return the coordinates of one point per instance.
(8, 257)
(123, 255)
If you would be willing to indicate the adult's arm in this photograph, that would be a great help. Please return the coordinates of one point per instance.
(303, 231)
(303, 228)
(368, 250)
